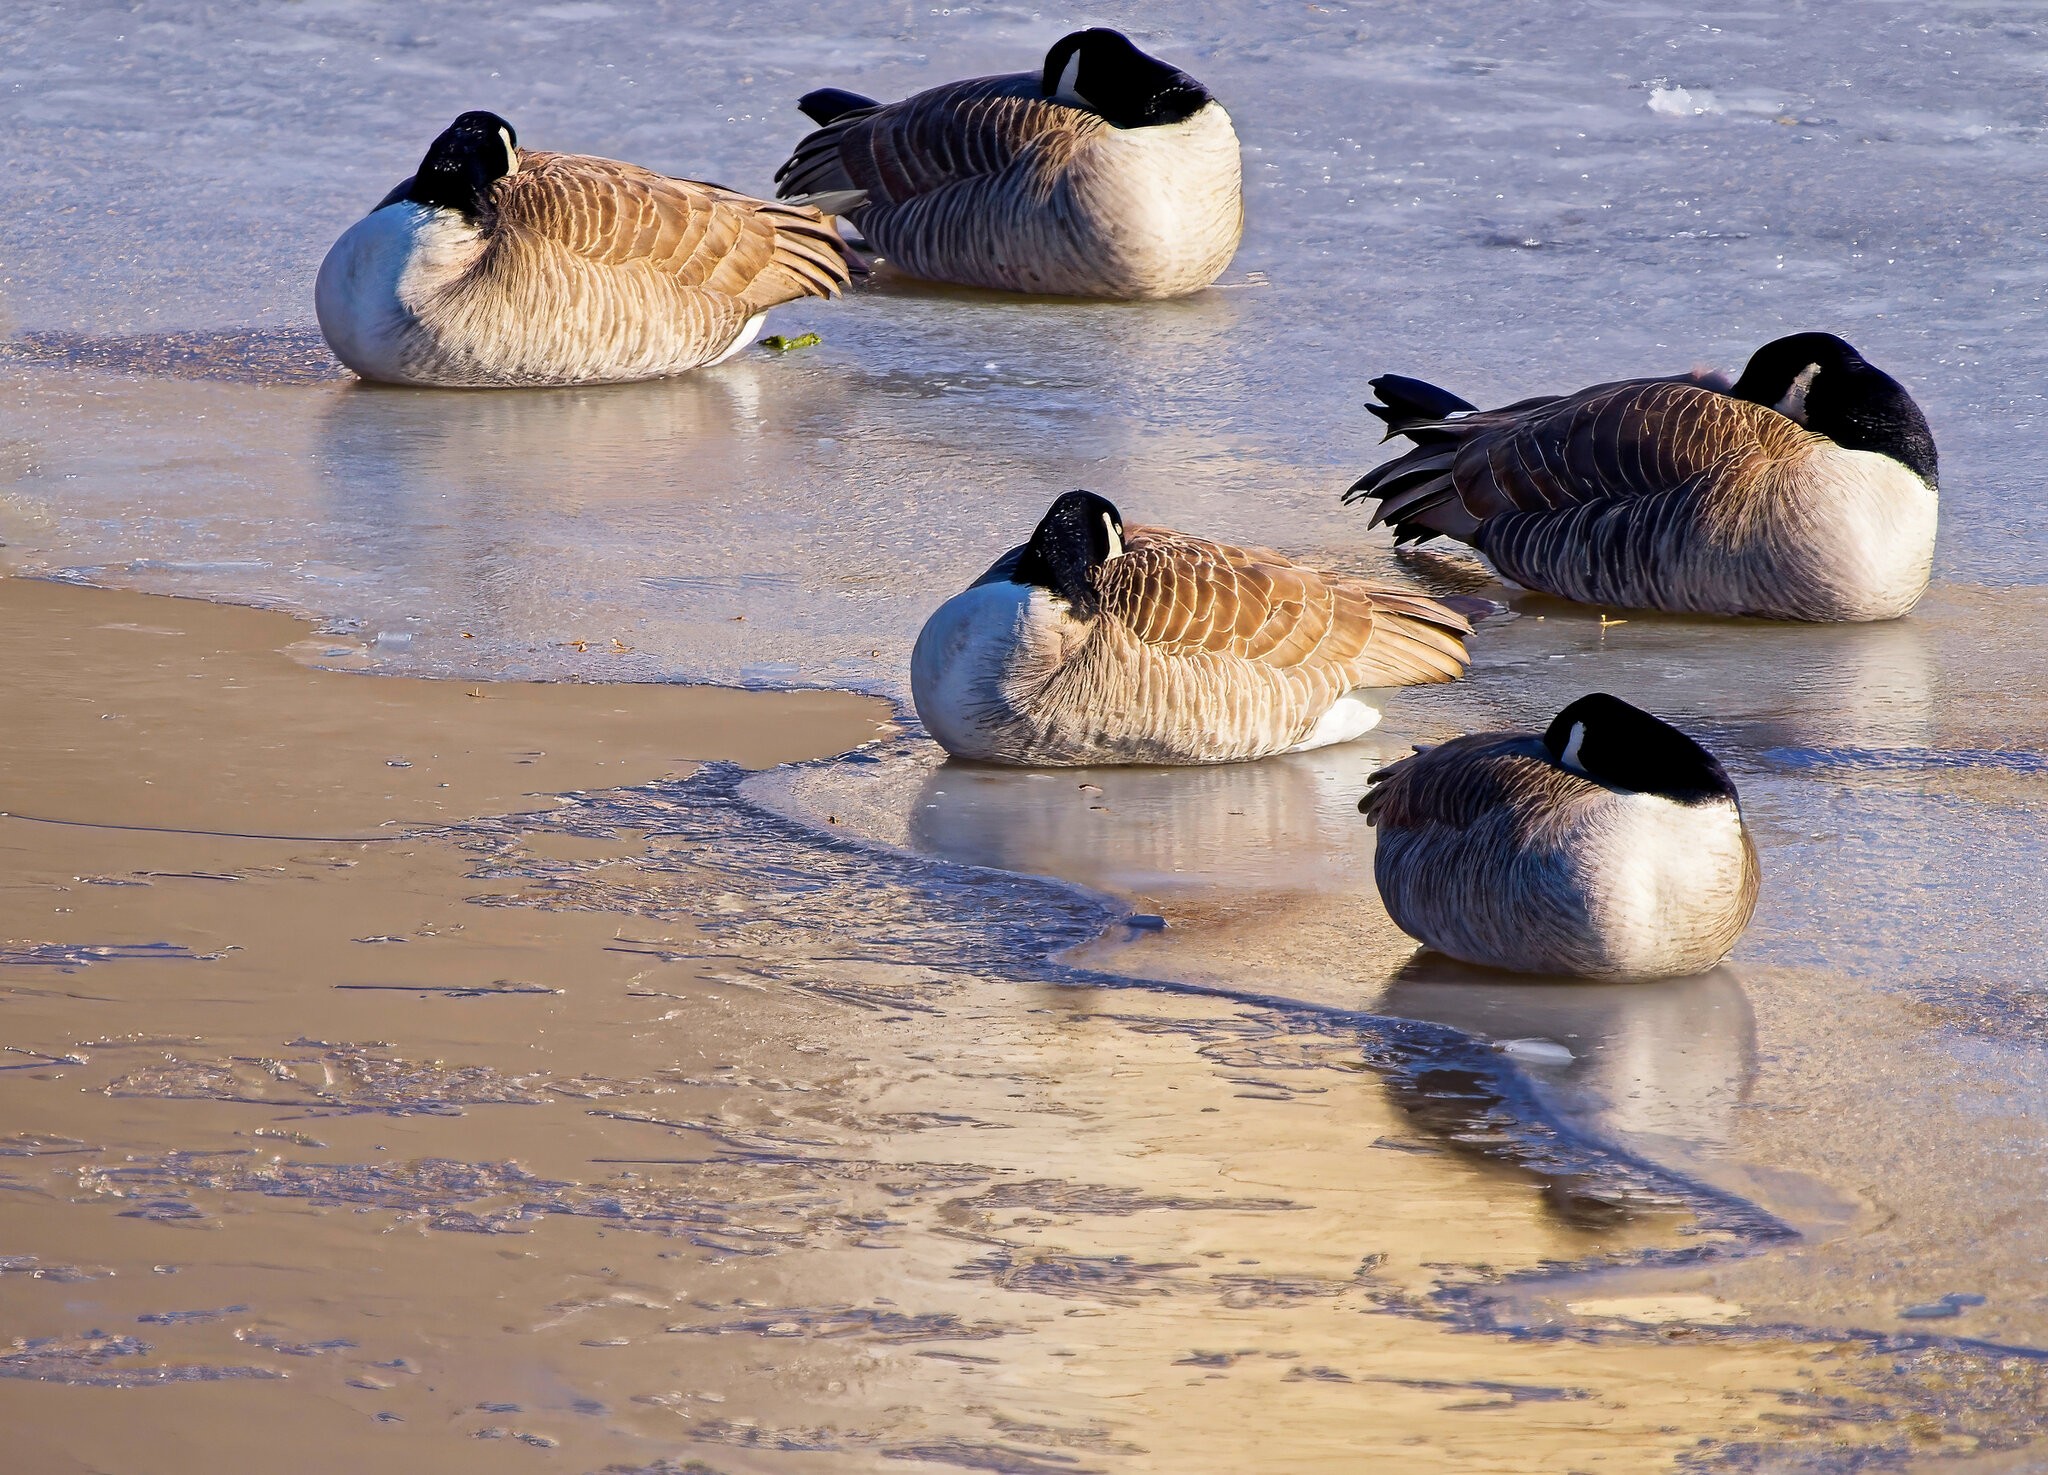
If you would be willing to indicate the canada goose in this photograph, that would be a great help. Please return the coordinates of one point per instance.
(1804, 491)
(1610, 847)
(1097, 643)
(497, 266)
(1106, 173)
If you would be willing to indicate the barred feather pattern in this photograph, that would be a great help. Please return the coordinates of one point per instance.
(1662, 494)
(585, 270)
(988, 183)
(1201, 652)
(1491, 852)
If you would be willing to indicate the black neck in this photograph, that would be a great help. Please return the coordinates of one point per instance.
(1118, 81)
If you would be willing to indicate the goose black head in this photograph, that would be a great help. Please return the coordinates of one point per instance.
(1827, 386)
(1624, 747)
(1101, 70)
(472, 154)
(1076, 537)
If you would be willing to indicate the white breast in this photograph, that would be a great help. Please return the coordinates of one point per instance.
(373, 279)
(973, 654)
(1870, 535)
(1167, 201)
(1664, 882)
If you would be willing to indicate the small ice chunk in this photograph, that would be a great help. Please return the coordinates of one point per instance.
(1682, 102)
(394, 640)
(1930, 1311)
(1535, 1052)
(1950, 1305)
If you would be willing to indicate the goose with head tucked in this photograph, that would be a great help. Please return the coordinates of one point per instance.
(1097, 643)
(1610, 846)
(1105, 173)
(495, 265)
(1806, 490)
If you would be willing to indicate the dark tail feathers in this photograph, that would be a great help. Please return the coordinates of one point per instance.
(830, 104)
(1408, 402)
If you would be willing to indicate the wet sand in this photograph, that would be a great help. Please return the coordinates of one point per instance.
(350, 1118)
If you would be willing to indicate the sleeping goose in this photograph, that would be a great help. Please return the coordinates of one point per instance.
(498, 266)
(1106, 173)
(1097, 643)
(1610, 847)
(1804, 491)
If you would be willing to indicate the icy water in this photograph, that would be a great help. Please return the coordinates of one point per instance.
(1782, 1168)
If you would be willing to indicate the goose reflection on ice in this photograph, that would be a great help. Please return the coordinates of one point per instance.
(1669, 1061)
(1736, 683)
(1282, 824)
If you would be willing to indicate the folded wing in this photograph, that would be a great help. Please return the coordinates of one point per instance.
(1189, 596)
(1638, 438)
(1480, 778)
(901, 151)
(757, 252)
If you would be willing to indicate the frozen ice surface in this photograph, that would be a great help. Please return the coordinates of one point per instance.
(1470, 192)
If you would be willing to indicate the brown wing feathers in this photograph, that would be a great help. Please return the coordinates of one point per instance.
(755, 251)
(1190, 596)
(1469, 779)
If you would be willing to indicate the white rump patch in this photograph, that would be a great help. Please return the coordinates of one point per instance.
(748, 333)
(1350, 716)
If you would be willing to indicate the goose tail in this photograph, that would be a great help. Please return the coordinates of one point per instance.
(811, 258)
(1408, 405)
(1416, 492)
(830, 104)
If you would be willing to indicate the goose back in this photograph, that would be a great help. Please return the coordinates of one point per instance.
(989, 183)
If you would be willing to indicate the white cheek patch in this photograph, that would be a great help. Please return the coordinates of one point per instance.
(511, 152)
(1793, 405)
(1570, 758)
(1116, 542)
(1068, 91)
